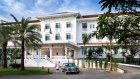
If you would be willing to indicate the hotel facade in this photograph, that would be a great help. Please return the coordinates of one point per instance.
(62, 33)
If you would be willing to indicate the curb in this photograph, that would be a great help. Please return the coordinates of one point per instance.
(129, 65)
(120, 70)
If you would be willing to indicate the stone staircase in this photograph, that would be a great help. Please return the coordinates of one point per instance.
(36, 61)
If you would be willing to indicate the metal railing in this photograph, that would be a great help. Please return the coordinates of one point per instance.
(40, 57)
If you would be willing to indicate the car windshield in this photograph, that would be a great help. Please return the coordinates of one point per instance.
(69, 64)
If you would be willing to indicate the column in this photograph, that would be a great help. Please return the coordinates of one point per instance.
(39, 53)
(66, 52)
(50, 51)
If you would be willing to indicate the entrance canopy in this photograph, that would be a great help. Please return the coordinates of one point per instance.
(67, 43)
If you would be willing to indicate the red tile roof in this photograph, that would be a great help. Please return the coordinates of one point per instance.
(97, 43)
(31, 21)
(96, 15)
(84, 16)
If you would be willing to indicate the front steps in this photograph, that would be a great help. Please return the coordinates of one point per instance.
(38, 63)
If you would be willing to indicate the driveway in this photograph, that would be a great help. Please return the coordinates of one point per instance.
(85, 74)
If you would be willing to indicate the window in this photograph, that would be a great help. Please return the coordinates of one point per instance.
(47, 37)
(68, 36)
(100, 38)
(47, 26)
(91, 25)
(84, 26)
(57, 37)
(68, 24)
(83, 35)
(84, 50)
(57, 25)
(116, 50)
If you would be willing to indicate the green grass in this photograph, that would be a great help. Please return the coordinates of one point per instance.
(18, 72)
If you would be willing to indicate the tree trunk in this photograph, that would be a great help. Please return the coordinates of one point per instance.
(110, 56)
(22, 56)
(84, 57)
(5, 54)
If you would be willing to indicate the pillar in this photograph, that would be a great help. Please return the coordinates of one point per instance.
(66, 52)
(39, 53)
(50, 51)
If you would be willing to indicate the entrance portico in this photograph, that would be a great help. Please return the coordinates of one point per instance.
(59, 50)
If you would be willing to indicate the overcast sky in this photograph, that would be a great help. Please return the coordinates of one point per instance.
(34, 8)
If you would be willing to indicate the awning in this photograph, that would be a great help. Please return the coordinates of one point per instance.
(67, 43)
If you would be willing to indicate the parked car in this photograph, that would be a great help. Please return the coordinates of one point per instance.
(70, 68)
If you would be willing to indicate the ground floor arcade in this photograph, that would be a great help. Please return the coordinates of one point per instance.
(53, 51)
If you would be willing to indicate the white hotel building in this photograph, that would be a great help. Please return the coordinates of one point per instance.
(61, 33)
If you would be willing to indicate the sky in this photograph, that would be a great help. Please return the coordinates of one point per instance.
(34, 8)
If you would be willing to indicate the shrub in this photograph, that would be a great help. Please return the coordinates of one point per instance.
(115, 64)
(92, 63)
(15, 65)
(105, 64)
(96, 64)
(100, 64)
(88, 63)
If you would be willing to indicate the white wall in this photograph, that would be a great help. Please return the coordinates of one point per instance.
(90, 21)
(62, 31)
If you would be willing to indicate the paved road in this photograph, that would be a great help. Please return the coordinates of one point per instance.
(85, 74)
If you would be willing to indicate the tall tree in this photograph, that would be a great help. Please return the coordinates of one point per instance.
(120, 5)
(85, 40)
(5, 36)
(28, 36)
(128, 29)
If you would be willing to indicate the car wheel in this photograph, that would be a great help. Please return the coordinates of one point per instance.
(78, 72)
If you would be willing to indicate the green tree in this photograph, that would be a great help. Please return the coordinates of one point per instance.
(106, 28)
(120, 5)
(85, 40)
(94, 52)
(127, 28)
(28, 36)
(13, 53)
(1, 57)
(5, 36)
(69, 55)
(129, 52)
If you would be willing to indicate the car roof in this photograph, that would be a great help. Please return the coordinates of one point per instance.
(68, 63)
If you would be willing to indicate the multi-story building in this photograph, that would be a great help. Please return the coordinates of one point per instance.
(63, 33)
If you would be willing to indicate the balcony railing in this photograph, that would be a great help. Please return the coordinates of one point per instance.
(36, 57)
(58, 57)
(44, 57)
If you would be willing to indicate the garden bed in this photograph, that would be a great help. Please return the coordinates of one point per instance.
(10, 71)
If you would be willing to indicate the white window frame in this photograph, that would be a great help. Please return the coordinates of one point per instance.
(47, 35)
(67, 36)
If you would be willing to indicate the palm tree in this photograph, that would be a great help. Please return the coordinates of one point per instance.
(28, 36)
(5, 36)
(85, 40)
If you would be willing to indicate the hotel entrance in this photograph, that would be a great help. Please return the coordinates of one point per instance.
(58, 51)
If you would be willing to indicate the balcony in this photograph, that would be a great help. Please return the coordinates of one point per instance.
(58, 57)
